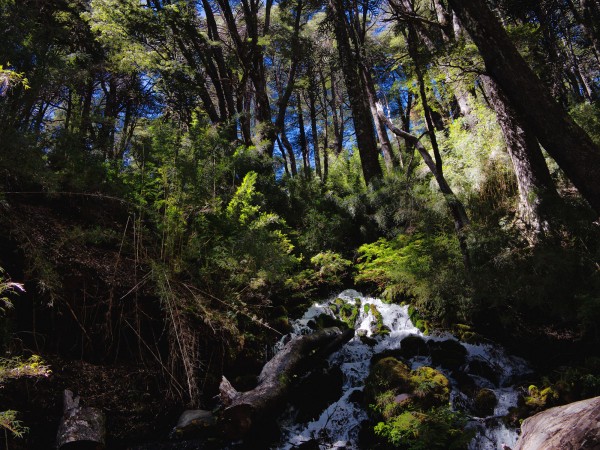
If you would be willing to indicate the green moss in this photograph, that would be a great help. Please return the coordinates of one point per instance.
(378, 327)
(430, 387)
(347, 312)
(484, 403)
(426, 386)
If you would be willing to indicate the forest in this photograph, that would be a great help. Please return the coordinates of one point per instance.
(182, 179)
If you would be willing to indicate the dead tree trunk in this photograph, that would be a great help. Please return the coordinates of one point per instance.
(457, 209)
(81, 426)
(243, 410)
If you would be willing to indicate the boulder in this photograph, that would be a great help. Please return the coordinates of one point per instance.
(484, 403)
(424, 387)
(195, 422)
(412, 346)
(482, 368)
(574, 426)
(449, 354)
(315, 391)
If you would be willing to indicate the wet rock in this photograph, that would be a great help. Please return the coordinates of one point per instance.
(323, 321)
(481, 368)
(357, 396)
(573, 426)
(449, 354)
(316, 391)
(484, 403)
(367, 340)
(412, 346)
(465, 382)
(393, 353)
(425, 386)
(312, 444)
(195, 422)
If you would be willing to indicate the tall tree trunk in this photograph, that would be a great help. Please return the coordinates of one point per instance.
(361, 113)
(563, 139)
(338, 115)
(290, 151)
(302, 138)
(537, 194)
(313, 128)
(283, 155)
(384, 140)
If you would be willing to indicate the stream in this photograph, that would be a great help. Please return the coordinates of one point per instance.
(339, 424)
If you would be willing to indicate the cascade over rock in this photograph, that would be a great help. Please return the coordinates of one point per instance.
(572, 426)
(475, 377)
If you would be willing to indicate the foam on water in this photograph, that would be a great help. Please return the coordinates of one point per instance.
(338, 426)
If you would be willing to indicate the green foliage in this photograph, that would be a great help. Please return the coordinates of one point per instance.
(587, 116)
(539, 399)
(9, 79)
(18, 367)
(424, 269)
(419, 418)
(7, 288)
(440, 428)
(9, 421)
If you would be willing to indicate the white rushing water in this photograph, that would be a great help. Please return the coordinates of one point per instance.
(339, 424)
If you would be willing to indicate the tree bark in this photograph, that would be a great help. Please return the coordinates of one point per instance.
(537, 194)
(243, 410)
(563, 139)
(80, 425)
(361, 114)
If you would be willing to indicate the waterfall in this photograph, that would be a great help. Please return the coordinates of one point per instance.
(339, 424)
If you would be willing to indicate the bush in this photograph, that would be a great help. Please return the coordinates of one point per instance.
(426, 270)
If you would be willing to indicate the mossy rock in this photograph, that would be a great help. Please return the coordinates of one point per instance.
(430, 387)
(348, 312)
(326, 321)
(282, 324)
(425, 386)
(466, 334)
(484, 403)
(377, 325)
(387, 374)
(390, 352)
(449, 354)
(412, 346)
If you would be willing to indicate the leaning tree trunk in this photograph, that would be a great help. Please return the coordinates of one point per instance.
(457, 209)
(563, 139)
(243, 410)
(537, 194)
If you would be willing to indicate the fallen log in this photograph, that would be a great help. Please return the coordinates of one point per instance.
(243, 410)
(81, 427)
(572, 426)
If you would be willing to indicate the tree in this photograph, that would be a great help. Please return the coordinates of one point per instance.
(357, 92)
(562, 138)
